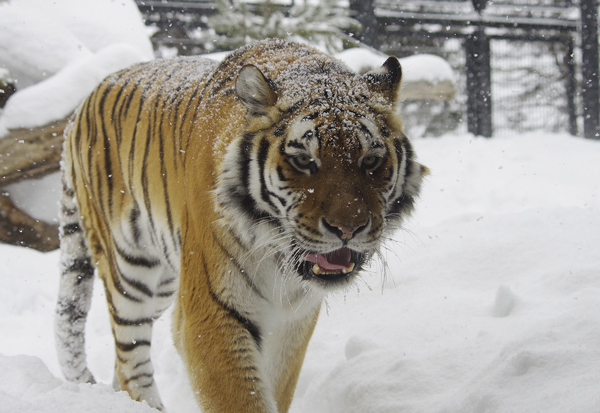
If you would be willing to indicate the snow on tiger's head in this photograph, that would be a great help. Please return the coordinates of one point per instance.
(323, 169)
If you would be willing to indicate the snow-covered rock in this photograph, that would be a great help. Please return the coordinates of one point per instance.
(424, 76)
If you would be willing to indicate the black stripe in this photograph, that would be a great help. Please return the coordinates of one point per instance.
(71, 229)
(131, 346)
(238, 265)
(166, 255)
(140, 376)
(280, 174)
(399, 151)
(296, 144)
(403, 204)
(131, 94)
(72, 308)
(263, 151)
(134, 216)
(67, 190)
(312, 116)
(121, 290)
(81, 266)
(141, 363)
(115, 276)
(68, 211)
(147, 77)
(165, 183)
(137, 261)
(240, 193)
(91, 134)
(294, 107)
(167, 281)
(365, 130)
(279, 131)
(106, 152)
(116, 79)
(138, 285)
(248, 325)
(193, 111)
(145, 188)
(127, 322)
(385, 132)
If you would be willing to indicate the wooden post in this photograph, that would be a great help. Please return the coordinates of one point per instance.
(589, 69)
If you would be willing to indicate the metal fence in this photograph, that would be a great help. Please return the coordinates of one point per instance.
(562, 27)
(525, 64)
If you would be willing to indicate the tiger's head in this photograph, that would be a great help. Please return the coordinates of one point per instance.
(323, 171)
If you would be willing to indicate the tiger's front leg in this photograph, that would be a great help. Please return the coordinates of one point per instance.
(234, 363)
(220, 355)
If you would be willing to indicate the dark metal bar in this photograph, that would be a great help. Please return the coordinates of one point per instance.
(589, 69)
(201, 7)
(364, 12)
(571, 88)
(402, 33)
(479, 94)
(451, 20)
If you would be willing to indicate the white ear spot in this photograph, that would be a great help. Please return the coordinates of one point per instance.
(254, 90)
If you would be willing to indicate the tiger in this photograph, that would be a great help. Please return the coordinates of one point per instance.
(243, 192)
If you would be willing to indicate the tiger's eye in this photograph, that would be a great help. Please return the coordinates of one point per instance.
(303, 160)
(369, 161)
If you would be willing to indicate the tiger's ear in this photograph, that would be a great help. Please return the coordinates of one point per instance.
(386, 79)
(254, 90)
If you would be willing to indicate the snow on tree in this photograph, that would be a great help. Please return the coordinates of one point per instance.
(237, 24)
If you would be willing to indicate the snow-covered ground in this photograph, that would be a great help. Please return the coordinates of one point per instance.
(490, 301)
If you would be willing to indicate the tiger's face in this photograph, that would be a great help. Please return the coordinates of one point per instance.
(325, 177)
(336, 172)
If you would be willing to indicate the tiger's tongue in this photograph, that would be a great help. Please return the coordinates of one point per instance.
(332, 261)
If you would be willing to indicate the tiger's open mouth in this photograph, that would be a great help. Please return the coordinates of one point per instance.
(334, 265)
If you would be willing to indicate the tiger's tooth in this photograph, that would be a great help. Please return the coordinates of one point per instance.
(316, 269)
(349, 269)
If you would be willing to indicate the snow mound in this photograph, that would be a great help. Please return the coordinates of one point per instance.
(58, 51)
(430, 343)
(55, 98)
(40, 37)
(28, 386)
(422, 67)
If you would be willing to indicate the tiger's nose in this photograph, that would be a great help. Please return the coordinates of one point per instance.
(345, 232)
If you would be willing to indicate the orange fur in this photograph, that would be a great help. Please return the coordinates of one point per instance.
(153, 147)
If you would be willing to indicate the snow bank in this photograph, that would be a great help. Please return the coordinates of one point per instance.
(56, 98)
(490, 301)
(424, 77)
(491, 314)
(40, 37)
(423, 67)
(28, 386)
(58, 51)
